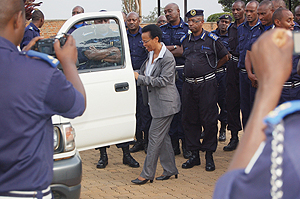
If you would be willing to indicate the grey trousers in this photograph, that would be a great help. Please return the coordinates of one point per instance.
(159, 145)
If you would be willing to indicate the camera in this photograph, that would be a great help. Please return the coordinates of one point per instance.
(46, 45)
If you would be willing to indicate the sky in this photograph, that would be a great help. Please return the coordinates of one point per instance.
(61, 9)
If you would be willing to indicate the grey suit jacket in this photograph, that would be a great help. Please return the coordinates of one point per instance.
(159, 88)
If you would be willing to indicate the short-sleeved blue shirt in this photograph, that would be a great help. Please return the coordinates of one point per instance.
(247, 35)
(138, 52)
(31, 92)
(171, 35)
(31, 31)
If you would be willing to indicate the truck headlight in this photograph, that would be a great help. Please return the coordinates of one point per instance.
(56, 137)
(69, 138)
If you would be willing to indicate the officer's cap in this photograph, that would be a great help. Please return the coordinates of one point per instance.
(194, 13)
(226, 17)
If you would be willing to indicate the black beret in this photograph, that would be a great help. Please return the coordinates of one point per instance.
(194, 13)
(226, 17)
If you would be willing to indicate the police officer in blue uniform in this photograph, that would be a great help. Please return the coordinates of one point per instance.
(283, 18)
(138, 55)
(202, 50)
(75, 11)
(266, 164)
(32, 30)
(32, 90)
(297, 18)
(222, 33)
(232, 77)
(248, 32)
(173, 31)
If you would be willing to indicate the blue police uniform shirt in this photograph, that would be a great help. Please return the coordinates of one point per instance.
(138, 52)
(224, 39)
(172, 35)
(254, 181)
(201, 53)
(31, 31)
(31, 92)
(73, 28)
(294, 75)
(247, 35)
(296, 26)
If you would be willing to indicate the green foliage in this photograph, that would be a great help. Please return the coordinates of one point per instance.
(215, 17)
(226, 4)
(151, 18)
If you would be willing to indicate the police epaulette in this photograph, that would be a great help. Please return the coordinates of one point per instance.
(163, 25)
(213, 36)
(30, 28)
(51, 60)
(183, 38)
(275, 116)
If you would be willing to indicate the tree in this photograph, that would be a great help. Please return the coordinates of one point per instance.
(131, 6)
(226, 4)
(151, 18)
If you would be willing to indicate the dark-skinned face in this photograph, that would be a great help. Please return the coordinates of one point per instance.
(265, 15)
(195, 24)
(238, 11)
(223, 24)
(172, 13)
(133, 22)
(287, 20)
(251, 12)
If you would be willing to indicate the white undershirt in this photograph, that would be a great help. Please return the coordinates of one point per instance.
(150, 65)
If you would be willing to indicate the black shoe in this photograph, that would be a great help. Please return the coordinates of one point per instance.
(193, 161)
(231, 145)
(210, 165)
(140, 182)
(202, 135)
(103, 159)
(128, 159)
(138, 146)
(165, 177)
(222, 132)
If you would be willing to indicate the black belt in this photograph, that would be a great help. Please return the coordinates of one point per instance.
(221, 70)
(294, 84)
(199, 80)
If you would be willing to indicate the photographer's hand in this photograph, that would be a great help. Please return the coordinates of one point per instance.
(67, 55)
(31, 43)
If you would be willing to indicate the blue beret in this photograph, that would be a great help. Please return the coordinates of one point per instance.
(226, 17)
(194, 13)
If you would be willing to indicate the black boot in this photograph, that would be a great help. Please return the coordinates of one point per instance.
(210, 165)
(128, 159)
(186, 153)
(233, 142)
(103, 158)
(222, 132)
(193, 161)
(175, 145)
(138, 146)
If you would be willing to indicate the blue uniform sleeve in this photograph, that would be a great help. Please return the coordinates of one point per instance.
(28, 36)
(62, 98)
(221, 49)
(224, 184)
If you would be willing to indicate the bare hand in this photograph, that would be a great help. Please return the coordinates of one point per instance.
(32, 43)
(275, 66)
(136, 75)
(68, 52)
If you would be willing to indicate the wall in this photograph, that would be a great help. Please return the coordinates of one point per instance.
(51, 27)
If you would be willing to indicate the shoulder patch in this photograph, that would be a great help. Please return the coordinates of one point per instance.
(30, 28)
(183, 38)
(213, 36)
(281, 111)
(51, 60)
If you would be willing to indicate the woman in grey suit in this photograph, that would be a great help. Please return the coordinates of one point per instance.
(157, 80)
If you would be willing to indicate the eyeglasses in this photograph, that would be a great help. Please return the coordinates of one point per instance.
(146, 41)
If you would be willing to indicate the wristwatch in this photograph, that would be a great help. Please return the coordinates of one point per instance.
(175, 46)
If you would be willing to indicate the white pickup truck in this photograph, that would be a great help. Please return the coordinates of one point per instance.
(111, 98)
